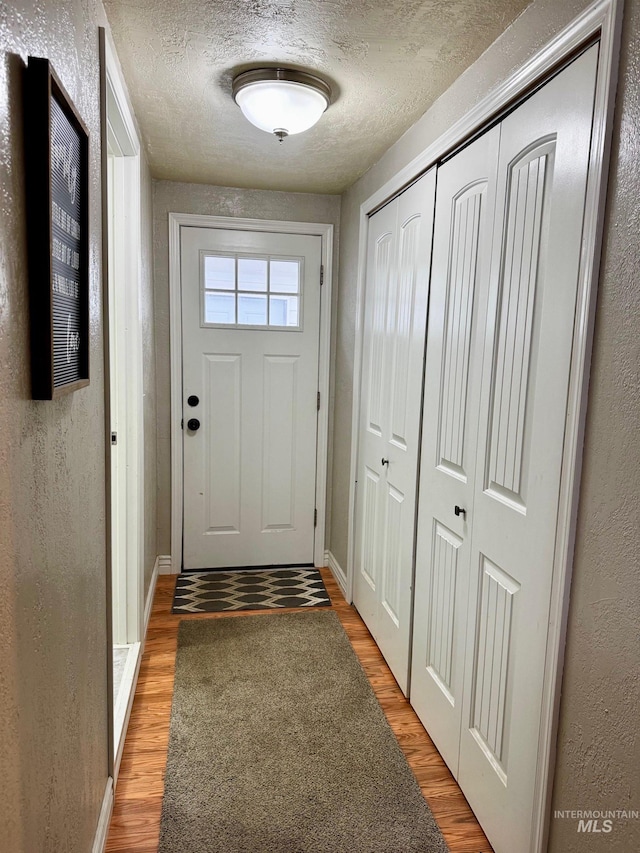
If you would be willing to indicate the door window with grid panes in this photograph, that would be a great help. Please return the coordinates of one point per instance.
(260, 292)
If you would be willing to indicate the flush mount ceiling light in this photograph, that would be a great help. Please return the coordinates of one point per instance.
(281, 100)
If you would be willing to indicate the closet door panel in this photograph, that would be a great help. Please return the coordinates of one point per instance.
(406, 335)
(371, 508)
(459, 285)
(399, 257)
(526, 356)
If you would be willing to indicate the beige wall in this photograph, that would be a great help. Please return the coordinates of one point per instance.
(599, 752)
(170, 197)
(53, 634)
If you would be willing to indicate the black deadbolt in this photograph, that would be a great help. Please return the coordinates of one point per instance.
(193, 400)
(193, 424)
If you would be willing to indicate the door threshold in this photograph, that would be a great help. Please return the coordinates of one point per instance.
(268, 567)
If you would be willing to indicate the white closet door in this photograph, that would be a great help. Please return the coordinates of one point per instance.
(398, 260)
(526, 355)
(459, 286)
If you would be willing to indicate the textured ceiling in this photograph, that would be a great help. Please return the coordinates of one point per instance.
(386, 60)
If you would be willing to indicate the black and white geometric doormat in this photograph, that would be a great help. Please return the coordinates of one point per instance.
(213, 592)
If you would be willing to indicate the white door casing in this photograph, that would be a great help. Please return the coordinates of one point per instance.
(494, 573)
(250, 469)
(176, 222)
(117, 407)
(125, 362)
(122, 282)
(394, 328)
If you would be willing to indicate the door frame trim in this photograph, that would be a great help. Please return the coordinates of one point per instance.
(603, 20)
(314, 229)
(121, 128)
(118, 123)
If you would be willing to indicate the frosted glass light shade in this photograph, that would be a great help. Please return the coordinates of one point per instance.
(285, 103)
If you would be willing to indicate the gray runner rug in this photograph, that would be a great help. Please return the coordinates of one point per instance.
(278, 745)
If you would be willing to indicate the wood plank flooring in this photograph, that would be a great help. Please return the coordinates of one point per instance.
(135, 825)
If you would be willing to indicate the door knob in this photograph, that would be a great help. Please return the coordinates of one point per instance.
(193, 424)
(385, 461)
(459, 511)
(193, 400)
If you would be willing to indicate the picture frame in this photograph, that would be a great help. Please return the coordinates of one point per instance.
(57, 182)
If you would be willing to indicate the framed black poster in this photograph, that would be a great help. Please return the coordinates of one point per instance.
(57, 161)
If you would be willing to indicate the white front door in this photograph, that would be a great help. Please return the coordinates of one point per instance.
(250, 333)
(398, 259)
(485, 576)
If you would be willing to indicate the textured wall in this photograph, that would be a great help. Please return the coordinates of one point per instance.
(599, 738)
(53, 660)
(598, 749)
(170, 197)
(52, 536)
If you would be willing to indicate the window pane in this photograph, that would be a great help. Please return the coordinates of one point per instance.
(219, 273)
(252, 310)
(219, 308)
(283, 311)
(252, 274)
(285, 276)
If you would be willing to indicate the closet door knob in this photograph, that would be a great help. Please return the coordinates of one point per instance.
(193, 424)
(459, 511)
(385, 461)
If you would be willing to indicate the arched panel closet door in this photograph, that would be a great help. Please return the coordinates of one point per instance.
(497, 380)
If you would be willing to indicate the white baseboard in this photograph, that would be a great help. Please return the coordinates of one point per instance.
(149, 602)
(100, 838)
(336, 571)
(132, 671)
(164, 565)
(123, 713)
(123, 708)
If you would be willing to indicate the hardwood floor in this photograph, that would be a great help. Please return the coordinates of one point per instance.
(135, 825)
